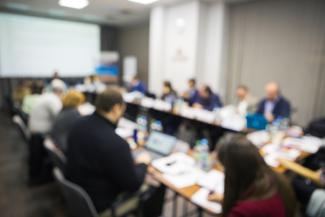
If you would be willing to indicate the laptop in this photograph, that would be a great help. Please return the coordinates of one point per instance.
(158, 145)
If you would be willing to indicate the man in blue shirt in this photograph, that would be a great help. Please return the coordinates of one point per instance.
(138, 85)
(274, 106)
(192, 92)
(206, 99)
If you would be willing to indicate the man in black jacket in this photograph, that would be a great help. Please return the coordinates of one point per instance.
(98, 159)
(274, 106)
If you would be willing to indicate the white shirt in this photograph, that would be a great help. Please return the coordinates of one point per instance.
(44, 113)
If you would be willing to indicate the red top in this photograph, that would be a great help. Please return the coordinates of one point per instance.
(270, 207)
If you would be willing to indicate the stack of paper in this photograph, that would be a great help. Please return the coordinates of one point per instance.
(201, 198)
(179, 169)
(273, 152)
(213, 181)
(308, 144)
(259, 138)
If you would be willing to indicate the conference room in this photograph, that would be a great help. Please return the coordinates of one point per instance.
(162, 108)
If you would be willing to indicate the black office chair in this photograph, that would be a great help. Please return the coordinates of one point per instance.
(23, 129)
(57, 157)
(78, 201)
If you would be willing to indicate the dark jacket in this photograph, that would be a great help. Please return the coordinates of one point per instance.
(209, 103)
(101, 162)
(282, 108)
(62, 126)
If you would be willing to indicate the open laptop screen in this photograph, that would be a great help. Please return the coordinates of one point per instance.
(161, 143)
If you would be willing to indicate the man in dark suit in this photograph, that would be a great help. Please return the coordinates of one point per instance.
(206, 99)
(274, 106)
(98, 159)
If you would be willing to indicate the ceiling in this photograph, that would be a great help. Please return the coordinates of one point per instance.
(113, 12)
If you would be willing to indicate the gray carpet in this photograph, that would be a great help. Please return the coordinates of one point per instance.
(16, 198)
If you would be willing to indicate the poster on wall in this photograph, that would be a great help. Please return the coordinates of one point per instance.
(108, 69)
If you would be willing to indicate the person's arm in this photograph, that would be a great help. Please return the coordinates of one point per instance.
(121, 168)
(301, 170)
(260, 108)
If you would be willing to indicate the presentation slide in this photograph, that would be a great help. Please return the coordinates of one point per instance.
(31, 46)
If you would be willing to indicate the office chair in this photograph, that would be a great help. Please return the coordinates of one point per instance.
(57, 157)
(78, 201)
(23, 129)
(80, 204)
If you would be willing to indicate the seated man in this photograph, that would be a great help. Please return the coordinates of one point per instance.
(206, 99)
(192, 92)
(274, 106)
(98, 159)
(137, 85)
(246, 102)
(41, 120)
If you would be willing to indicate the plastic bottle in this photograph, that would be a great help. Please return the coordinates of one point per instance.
(202, 154)
(156, 125)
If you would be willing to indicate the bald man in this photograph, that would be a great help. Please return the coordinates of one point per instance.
(274, 106)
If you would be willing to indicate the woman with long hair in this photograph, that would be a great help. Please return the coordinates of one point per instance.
(252, 188)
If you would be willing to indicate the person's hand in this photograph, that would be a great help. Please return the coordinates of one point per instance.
(269, 117)
(197, 105)
(215, 197)
(143, 158)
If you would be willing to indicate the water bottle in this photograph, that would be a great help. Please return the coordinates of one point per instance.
(156, 125)
(202, 154)
(142, 122)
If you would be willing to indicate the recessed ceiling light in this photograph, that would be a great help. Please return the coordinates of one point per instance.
(76, 4)
(144, 2)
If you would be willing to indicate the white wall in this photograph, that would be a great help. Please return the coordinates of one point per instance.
(156, 51)
(194, 50)
(211, 41)
(31, 46)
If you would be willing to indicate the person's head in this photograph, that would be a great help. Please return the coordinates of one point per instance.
(242, 92)
(55, 75)
(58, 87)
(272, 90)
(37, 87)
(191, 83)
(72, 99)
(205, 91)
(246, 173)
(110, 104)
(135, 80)
(167, 87)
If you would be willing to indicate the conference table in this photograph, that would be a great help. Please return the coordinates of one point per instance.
(188, 192)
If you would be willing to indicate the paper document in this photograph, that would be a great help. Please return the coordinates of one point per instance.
(259, 138)
(213, 180)
(308, 144)
(273, 152)
(179, 169)
(201, 198)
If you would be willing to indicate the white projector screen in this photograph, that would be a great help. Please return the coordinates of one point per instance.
(31, 46)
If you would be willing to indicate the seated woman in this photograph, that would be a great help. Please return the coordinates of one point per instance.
(206, 99)
(66, 118)
(168, 93)
(251, 186)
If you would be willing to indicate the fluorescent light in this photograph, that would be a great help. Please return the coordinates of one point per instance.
(144, 2)
(76, 4)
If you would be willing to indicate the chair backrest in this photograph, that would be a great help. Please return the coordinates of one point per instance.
(78, 201)
(56, 155)
(23, 129)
